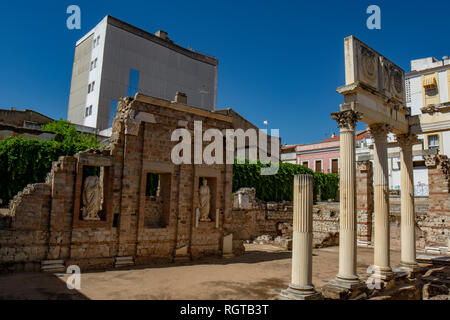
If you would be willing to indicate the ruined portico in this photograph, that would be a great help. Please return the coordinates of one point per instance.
(373, 93)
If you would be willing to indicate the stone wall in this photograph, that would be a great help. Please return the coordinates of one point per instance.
(41, 218)
(255, 218)
(432, 212)
(421, 208)
(48, 221)
(364, 200)
(436, 225)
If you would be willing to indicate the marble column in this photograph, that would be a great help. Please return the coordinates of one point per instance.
(382, 267)
(301, 287)
(347, 277)
(408, 219)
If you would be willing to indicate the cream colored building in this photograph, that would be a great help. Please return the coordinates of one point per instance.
(428, 85)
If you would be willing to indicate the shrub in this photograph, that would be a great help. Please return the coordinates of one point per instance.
(24, 161)
(278, 187)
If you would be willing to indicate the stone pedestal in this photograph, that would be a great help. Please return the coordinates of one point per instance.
(301, 287)
(381, 205)
(408, 219)
(227, 246)
(53, 266)
(181, 254)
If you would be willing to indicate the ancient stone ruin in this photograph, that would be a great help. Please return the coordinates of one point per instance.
(128, 204)
(373, 93)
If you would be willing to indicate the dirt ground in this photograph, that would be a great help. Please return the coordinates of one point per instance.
(258, 274)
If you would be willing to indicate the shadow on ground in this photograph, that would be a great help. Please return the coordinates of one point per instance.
(36, 286)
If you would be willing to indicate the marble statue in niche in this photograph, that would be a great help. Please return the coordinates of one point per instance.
(92, 198)
(204, 196)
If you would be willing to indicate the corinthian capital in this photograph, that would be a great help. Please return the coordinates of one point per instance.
(379, 130)
(346, 119)
(406, 139)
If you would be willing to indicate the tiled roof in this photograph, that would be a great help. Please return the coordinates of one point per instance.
(362, 135)
(288, 148)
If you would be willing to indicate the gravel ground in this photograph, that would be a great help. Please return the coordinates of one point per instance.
(258, 274)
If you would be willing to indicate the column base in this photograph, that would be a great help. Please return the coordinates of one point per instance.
(344, 289)
(407, 266)
(384, 274)
(300, 293)
(347, 283)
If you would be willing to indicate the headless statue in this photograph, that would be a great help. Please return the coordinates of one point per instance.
(204, 199)
(92, 198)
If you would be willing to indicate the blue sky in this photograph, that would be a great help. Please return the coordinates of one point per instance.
(279, 61)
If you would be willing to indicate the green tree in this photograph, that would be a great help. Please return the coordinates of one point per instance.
(67, 134)
(24, 161)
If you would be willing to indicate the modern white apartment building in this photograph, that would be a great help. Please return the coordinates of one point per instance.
(116, 60)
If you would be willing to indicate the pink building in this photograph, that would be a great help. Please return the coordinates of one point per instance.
(324, 155)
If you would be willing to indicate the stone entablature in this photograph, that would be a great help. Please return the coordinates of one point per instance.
(119, 216)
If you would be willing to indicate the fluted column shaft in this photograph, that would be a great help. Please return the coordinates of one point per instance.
(381, 195)
(347, 185)
(407, 223)
(302, 232)
(301, 287)
(347, 219)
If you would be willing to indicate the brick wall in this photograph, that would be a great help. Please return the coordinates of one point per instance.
(254, 217)
(364, 200)
(44, 221)
(436, 225)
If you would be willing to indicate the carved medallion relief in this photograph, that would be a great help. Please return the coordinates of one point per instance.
(379, 73)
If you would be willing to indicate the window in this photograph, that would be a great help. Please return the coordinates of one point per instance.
(157, 200)
(93, 64)
(91, 86)
(430, 85)
(88, 111)
(395, 164)
(408, 91)
(96, 42)
(305, 163)
(433, 142)
(112, 112)
(334, 165)
(318, 165)
(152, 186)
(133, 83)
